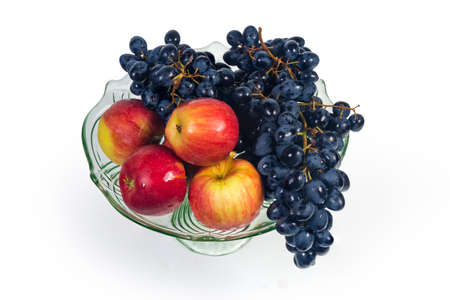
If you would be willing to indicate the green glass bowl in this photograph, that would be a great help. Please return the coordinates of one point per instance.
(180, 224)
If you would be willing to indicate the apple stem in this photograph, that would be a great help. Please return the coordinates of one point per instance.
(179, 128)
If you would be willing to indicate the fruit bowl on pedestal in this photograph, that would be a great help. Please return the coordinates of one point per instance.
(180, 224)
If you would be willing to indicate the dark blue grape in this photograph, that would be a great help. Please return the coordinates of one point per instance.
(356, 122)
(291, 107)
(319, 220)
(201, 64)
(245, 63)
(211, 76)
(231, 57)
(239, 76)
(168, 54)
(266, 164)
(341, 126)
(210, 56)
(332, 179)
(235, 38)
(290, 240)
(308, 61)
(304, 212)
(138, 71)
(345, 181)
(295, 180)
(250, 35)
(138, 46)
(305, 259)
(291, 89)
(269, 127)
(338, 111)
(164, 107)
(324, 239)
(291, 50)
(315, 161)
(335, 200)
(300, 41)
(290, 248)
(182, 47)
(172, 37)
(319, 118)
(205, 89)
(277, 210)
(292, 199)
(303, 241)
(330, 157)
(125, 59)
(153, 56)
(262, 60)
(282, 76)
(186, 88)
(187, 56)
(286, 227)
(270, 109)
(308, 91)
(291, 156)
(163, 76)
(327, 139)
(278, 173)
(287, 118)
(263, 145)
(226, 77)
(150, 99)
(321, 250)
(316, 192)
(285, 134)
(309, 77)
(254, 109)
(277, 46)
(270, 185)
(241, 94)
(137, 88)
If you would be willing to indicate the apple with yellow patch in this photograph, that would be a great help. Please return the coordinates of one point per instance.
(126, 126)
(226, 195)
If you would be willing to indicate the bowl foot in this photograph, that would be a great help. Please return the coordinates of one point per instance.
(214, 248)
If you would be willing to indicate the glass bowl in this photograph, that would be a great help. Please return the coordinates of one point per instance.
(180, 224)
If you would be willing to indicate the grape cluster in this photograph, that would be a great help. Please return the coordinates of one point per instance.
(291, 137)
(171, 74)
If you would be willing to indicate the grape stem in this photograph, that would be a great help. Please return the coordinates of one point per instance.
(184, 73)
(277, 61)
(315, 103)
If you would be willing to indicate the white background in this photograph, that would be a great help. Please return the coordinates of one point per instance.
(61, 238)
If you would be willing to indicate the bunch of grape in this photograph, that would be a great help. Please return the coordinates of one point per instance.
(292, 138)
(170, 74)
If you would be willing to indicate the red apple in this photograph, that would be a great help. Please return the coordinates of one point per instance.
(226, 195)
(126, 126)
(153, 181)
(202, 131)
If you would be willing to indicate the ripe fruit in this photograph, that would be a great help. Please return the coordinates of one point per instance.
(153, 181)
(126, 126)
(202, 131)
(226, 195)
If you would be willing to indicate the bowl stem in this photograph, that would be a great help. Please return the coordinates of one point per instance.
(214, 248)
